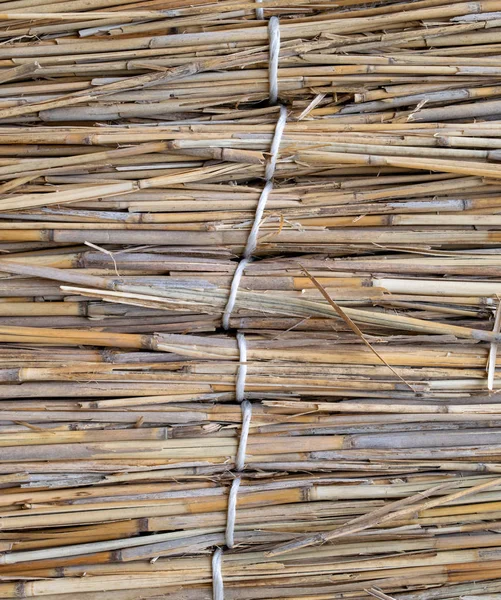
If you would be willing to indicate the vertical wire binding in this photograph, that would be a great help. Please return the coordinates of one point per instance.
(250, 246)
(252, 239)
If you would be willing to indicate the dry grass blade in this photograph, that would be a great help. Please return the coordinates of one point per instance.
(353, 325)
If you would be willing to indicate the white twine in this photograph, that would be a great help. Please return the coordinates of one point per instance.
(242, 367)
(253, 234)
(217, 576)
(275, 145)
(274, 42)
(274, 50)
(250, 246)
(260, 12)
(231, 514)
(244, 435)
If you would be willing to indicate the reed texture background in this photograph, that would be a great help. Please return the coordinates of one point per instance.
(134, 138)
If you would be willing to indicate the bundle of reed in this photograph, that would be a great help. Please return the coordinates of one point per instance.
(153, 184)
(180, 429)
(429, 530)
(371, 184)
(152, 291)
(94, 492)
(276, 294)
(155, 467)
(112, 61)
